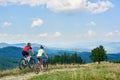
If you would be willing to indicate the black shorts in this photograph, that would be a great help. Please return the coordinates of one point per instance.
(40, 59)
(24, 53)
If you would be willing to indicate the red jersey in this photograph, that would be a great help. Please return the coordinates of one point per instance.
(26, 48)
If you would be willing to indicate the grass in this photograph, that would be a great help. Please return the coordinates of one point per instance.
(103, 71)
(15, 71)
(92, 71)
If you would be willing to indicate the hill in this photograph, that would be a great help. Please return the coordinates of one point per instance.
(11, 52)
(8, 63)
(104, 71)
(93, 71)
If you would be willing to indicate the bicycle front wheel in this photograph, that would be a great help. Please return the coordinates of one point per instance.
(36, 68)
(31, 63)
(45, 65)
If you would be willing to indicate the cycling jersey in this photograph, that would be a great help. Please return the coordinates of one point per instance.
(26, 48)
(40, 52)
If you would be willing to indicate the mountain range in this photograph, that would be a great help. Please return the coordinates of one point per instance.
(110, 47)
(11, 53)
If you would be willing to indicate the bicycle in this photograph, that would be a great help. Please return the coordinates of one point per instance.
(37, 66)
(23, 63)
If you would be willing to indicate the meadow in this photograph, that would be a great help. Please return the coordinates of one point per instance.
(94, 71)
(91, 71)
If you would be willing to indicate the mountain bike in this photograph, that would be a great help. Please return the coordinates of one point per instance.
(36, 66)
(23, 63)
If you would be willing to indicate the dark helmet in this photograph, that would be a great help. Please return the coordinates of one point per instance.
(41, 47)
(29, 44)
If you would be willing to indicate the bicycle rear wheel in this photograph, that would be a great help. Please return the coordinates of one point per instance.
(22, 64)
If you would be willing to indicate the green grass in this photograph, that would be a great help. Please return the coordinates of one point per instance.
(92, 71)
(14, 72)
(17, 71)
(103, 71)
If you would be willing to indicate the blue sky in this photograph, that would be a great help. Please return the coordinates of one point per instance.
(59, 22)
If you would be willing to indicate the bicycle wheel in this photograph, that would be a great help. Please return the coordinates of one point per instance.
(36, 68)
(31, 63)
(45, 65)
(22, 64)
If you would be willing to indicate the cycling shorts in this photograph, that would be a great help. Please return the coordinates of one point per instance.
(24, 53)
(40, 59)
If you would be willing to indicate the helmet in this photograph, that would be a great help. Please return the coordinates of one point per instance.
(41, 47)
(29, 44)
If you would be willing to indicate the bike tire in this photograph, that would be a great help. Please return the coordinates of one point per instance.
(21, 64)
(36, 68)
(45, 65)
(31, 63)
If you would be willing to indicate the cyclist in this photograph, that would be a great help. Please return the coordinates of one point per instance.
(25, 52)
(40, 58)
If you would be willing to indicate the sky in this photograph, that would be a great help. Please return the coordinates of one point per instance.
(59, 22)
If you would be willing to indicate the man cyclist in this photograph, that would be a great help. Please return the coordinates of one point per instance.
(40, 58)
(25, 52)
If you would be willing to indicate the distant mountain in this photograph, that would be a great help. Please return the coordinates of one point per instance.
(18, 45)
(11, 51)
(12, 55)
(8, 63)
(3, 45)
(110, 47)
(114, 57)
(24, 44)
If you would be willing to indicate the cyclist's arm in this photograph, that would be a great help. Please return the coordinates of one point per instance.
(32, 51)
(45, 54)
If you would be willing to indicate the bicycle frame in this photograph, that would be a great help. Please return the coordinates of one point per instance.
(29, 64)
(37, 66)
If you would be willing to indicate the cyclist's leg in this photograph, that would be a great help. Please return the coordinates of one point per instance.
(28, 56)
(39, 63)
(24, 56)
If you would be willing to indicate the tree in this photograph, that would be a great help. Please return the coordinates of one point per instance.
(98, 54)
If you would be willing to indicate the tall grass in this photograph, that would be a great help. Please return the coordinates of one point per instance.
(15, 71)
(103, 71)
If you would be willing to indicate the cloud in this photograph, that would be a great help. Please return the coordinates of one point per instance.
(99, 6)
(22, 2)
(90, 33)
(3, 3)
(92, 23)
(43, 35)
(6, 24)
(8, 2)
(109, 34)
(113, 33)
(65, 5)
(3, 35)
(57, 34)
(79, 5)
(32, 2)
(37, 22)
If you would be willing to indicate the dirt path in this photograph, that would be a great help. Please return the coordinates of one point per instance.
(29, 75)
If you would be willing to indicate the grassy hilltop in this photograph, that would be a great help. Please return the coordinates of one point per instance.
(103, 71)
(92, 71)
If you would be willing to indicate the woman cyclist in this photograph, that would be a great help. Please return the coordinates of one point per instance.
(40, 58)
